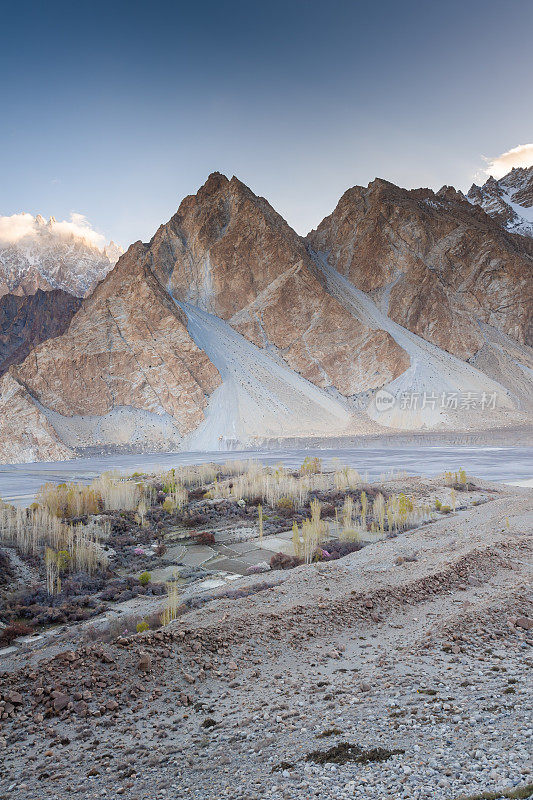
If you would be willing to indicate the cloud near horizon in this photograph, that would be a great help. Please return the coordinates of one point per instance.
(25, 226)
(521, 156)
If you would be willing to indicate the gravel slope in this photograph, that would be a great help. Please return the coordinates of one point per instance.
(420, 643)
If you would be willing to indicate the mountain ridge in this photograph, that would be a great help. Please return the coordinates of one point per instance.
(508, 200)
(196, 337)
(36, 254)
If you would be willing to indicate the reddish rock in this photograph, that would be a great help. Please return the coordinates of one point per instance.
(145, 663)
(61, 701)
(126, 347)
(437, 263)
(26, 322)
(229, 252)
(80, 708)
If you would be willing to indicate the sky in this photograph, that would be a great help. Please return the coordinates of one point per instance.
(116, 111)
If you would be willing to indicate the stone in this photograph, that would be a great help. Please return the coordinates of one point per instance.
(61, 701)
(144, 663)
(80, 708)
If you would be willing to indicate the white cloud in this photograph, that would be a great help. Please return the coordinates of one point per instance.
(17, 227)
(521, 156)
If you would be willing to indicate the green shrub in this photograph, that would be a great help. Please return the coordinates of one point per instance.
(446, 509)
(311, 466)
(285, 504)
(63, 560)
(144, 578)
(438, 504)
(142, 626)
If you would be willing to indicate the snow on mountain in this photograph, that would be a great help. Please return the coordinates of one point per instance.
(508, 200)
(39, 254)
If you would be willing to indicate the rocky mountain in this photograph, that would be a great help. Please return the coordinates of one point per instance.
(27, 321)
(229, 253)
(39, 254)
(508, 200)
(403, 310)
(431, 262)
(126, 371)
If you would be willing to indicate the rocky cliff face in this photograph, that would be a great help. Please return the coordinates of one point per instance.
(508, 200)
(36, 254)
(26, 322)
(126, 349)
(25, 433)
(228, 252)
(433, 262)
(228, 329)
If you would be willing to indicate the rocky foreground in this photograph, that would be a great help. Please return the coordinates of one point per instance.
(399, 671)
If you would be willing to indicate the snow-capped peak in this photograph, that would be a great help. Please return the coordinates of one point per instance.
(509, 199)
(39, 254)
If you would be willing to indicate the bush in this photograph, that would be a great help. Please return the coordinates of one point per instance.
(144, 578)
(445, 509)
(13, 632)
(339, 549)
(282, 561)
(204, 537)
(123, 626)
(6, 570)
(311, 466)
(285, 505)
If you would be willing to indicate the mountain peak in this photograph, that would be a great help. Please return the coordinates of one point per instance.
(215, 182)
(509, 199)
(39, 254)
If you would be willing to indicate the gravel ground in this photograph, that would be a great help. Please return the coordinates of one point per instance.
(421, 643)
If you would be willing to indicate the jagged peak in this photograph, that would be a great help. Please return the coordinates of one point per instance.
(213, 184)
(450, 193)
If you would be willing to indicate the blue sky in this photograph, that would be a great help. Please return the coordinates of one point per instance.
(118, 112)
